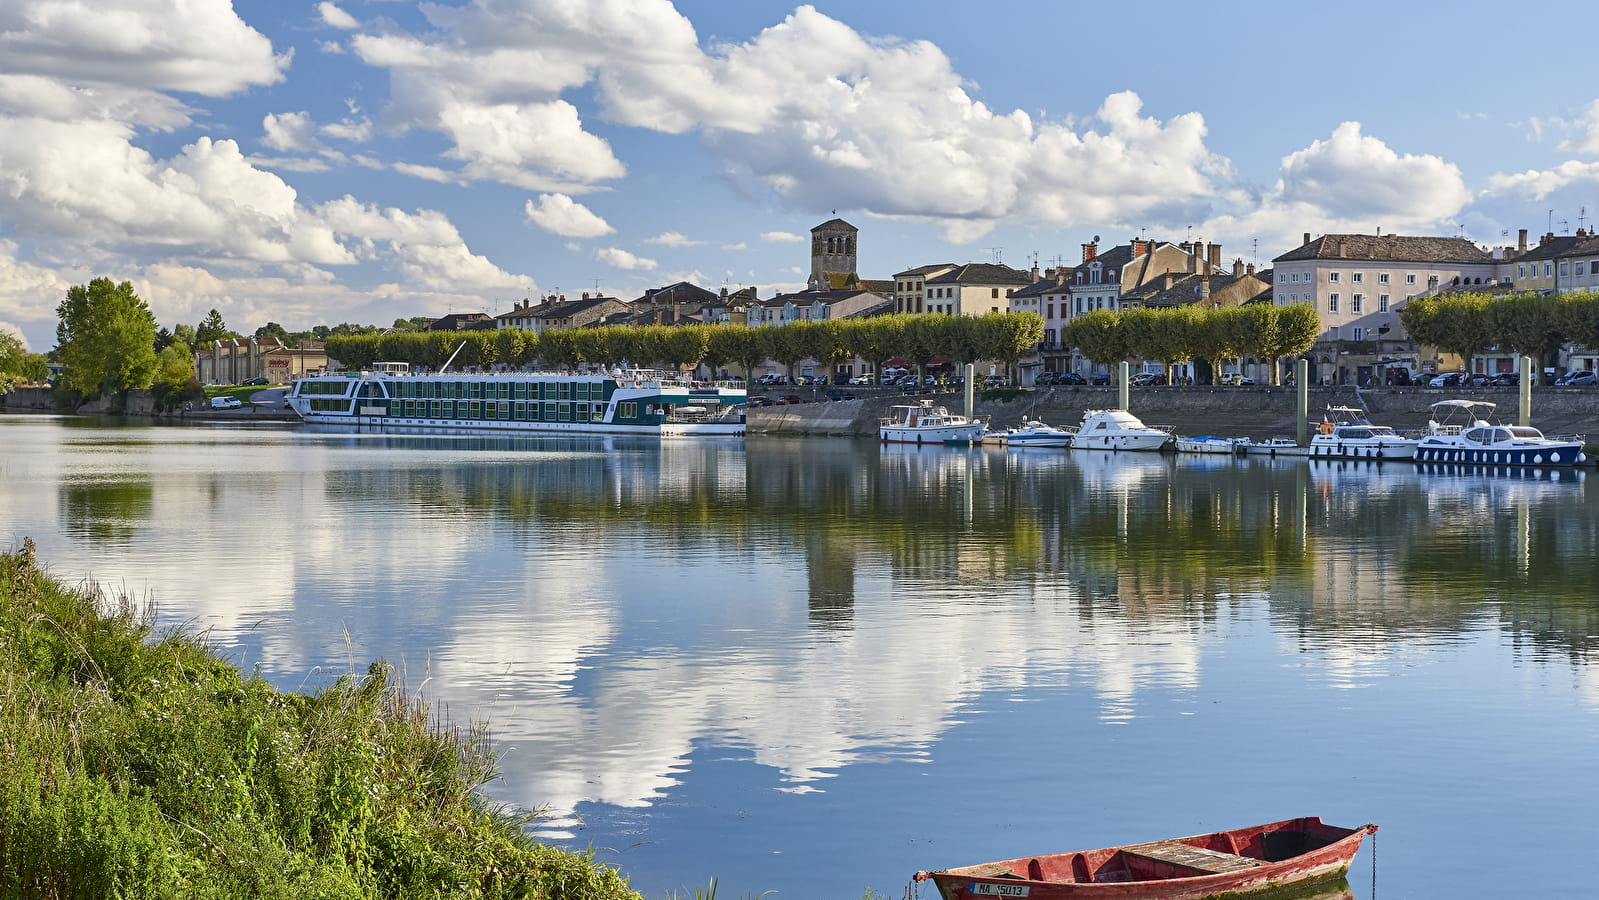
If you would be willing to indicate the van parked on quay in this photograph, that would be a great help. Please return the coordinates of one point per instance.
(225, 403)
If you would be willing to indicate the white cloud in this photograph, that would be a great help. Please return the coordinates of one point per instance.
(335, 17)
(1354, 174)
(738, 246)
(426, 173)
(1535, 184)
(355, 130)
(1588, 141)
(200, 46)
(782, 237)
(673, 239)
(622, 259)
(872, 121)
(291, 132)
(560, 214)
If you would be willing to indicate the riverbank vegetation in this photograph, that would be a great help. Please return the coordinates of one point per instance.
(138, 763)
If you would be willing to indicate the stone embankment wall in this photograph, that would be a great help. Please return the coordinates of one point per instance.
(1257, 412)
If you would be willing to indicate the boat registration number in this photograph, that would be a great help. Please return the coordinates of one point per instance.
(989, 889)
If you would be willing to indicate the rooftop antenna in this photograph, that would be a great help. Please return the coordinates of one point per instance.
(1254, 250)
(996, 251)
(1565, 226)
(1551, 228)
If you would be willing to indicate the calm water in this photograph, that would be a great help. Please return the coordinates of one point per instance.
(816, 666)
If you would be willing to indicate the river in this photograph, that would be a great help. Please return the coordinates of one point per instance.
(815, 666)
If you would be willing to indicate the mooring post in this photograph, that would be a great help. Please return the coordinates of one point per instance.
(1302, 382)
(1121, 383)
(970, 372)
(1524, 363)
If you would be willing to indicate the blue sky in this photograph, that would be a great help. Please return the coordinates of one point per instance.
(313, 162)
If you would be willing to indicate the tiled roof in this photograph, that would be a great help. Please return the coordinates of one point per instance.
(925, 270)
(1395, 247)
(681, 292)
(1551, 248)
(835, 223)
(982, 273)
(1041, 287)
(570, 307)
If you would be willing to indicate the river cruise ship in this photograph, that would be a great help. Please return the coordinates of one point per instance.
(618, 402)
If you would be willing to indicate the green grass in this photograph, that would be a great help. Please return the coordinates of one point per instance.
(138, 763)
(243, 392)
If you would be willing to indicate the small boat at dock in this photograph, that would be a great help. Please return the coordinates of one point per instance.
(1245, 861)
(1118, 429)
(1459, 432)
(1208, 443)
(1031, 433)
(1277, 446)
(1346, 433)
(924, 422)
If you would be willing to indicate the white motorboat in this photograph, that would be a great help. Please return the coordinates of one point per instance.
(1208, 443)
(1031, 433)
(924, 422)
(1118, 429)
(1459, 432)
(1346, 433)
(1277, 446)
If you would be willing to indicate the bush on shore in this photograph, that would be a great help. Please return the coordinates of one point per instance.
(139, 763)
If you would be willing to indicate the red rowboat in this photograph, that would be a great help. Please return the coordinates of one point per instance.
(1240, 862)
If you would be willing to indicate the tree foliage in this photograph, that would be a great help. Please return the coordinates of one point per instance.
(105, 339)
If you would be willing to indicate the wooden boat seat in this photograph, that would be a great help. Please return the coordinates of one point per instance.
(1179, 854)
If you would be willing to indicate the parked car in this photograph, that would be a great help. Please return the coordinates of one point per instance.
(1148, 378)
(791, 398)
(1235, 378)
(839, 394)
(1045, 379)
(1102, 378)
(1448, 379)
(863, 379)
(759, 400)
(1579, 378)
(1070, 378)
(1478, 379)
(254, 381)
(225, 403)
(1506, 379)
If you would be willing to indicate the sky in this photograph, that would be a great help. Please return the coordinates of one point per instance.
(306, 162)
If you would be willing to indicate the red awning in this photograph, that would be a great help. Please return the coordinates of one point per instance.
(937, 361)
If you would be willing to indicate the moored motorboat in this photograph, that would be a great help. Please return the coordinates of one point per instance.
(1031, 433)
(924, 422)
(1459, 432)
(1207, 443)
(1346, 433)
(1118, 429)
(1260, 858)
(1277, 446)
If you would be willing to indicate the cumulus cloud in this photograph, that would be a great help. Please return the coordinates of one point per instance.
(1588, 141)
(560, 214)
(1536, 184)
(335, 17)
(1348, 182)
(781, 237)
(622, 259)
(845, 117)
(291, 132)
(672, 239)
(201, 46)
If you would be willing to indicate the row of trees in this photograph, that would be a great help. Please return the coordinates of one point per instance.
(1534, 325)
(1004, 337)
(1178, 334)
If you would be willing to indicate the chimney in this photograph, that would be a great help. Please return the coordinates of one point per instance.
(1204, 288)
(1238, 268)
(1342, 252)
(1249, 269)
(1215, 256)
(1168, 279)
(1548, 237)
(1521, 241)
(1582, 234)
(1089, 250)
(1035, 271)
(1139, 248)
(1195, 252)
(1307, 237)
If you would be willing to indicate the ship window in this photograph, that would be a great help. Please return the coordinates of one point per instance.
(627, 410)
(565, 394)
(1501, 434)
(474, 410)
(436, 408)
(582, 412)
(1480, 435)
(566, 408)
